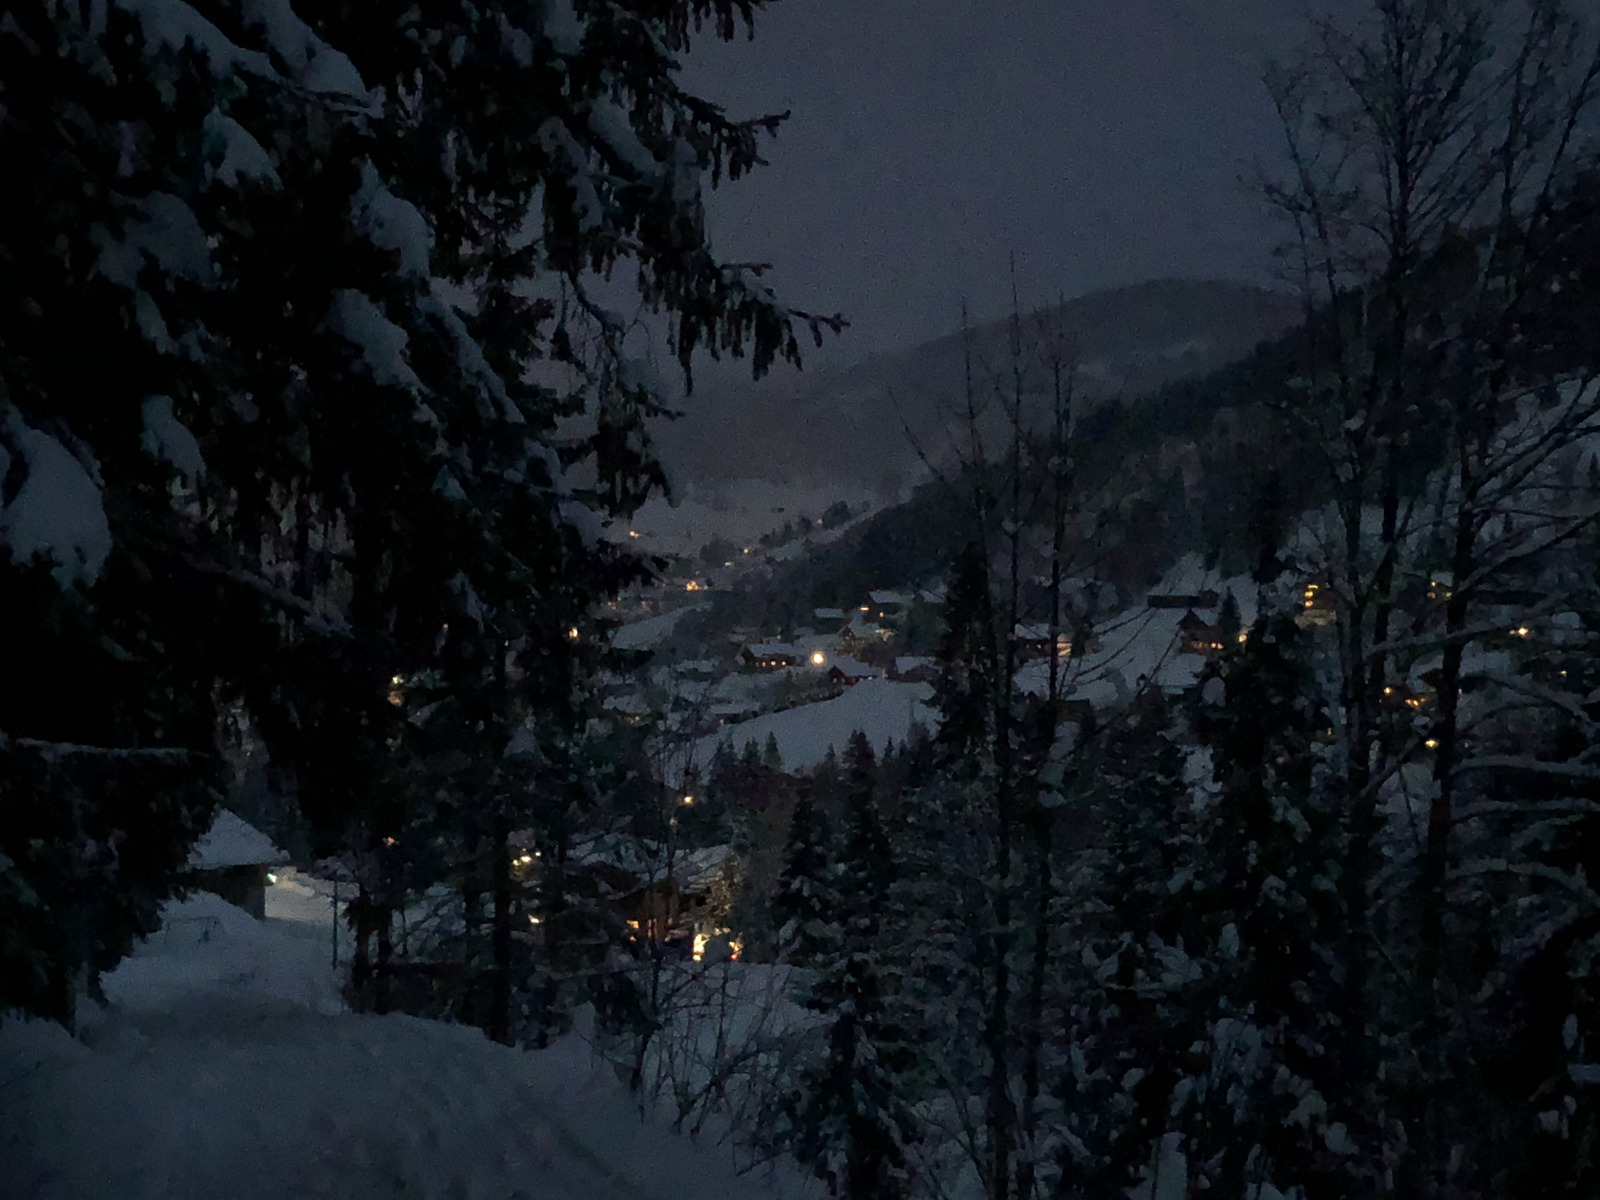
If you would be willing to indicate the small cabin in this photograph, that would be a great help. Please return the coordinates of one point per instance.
(233, 860)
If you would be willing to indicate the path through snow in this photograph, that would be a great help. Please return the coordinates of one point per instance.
(224, 1066)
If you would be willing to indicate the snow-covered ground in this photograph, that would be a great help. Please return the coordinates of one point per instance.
(652, 631)
(224, 1064)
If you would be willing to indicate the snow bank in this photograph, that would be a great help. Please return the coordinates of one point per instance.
(210, 1075)
(57, 513)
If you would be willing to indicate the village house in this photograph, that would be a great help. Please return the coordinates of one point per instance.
(1033, 641)
(829, 620)
(847, 672)
(860, 631)
(1196, 635)
(769, 656)
(887, 605)
(1319, 603)
(680, 898)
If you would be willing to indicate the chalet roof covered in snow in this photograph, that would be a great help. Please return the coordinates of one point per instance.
(232, 842)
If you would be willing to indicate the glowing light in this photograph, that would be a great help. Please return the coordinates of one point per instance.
(864, 608)
(1388, 691)
(1520, 631)
(818, 658)
(633, 533)
(533, 920)
(271, 878)
(686, 800)
(692, 586)
(1432, 743)
(572, 634)
(525, 859)
(388, 841)
(700, 941)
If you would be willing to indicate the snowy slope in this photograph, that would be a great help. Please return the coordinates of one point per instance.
(652, 631)
(881, 709)
(224, 1067)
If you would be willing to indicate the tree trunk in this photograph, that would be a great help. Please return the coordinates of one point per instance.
(500, 976)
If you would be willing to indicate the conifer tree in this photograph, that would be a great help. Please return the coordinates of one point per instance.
(1274, 1109)
(803, 906)
(256, 216)
(850, 1119)
(1129, 1010)
(964, 692)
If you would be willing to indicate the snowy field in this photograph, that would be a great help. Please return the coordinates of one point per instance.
(225, 1065)
(885, 711)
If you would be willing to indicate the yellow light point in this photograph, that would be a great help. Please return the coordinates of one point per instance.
(686, 800)
(633, 533)
(1388, 691)
(700, 941)
(533, 920)
(692, 586)
(525, 859)
(1521, 631)
(818, 658)
(572, 634)
(1432, 743)
(388, 841)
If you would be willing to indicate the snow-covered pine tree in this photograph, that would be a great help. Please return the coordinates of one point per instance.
(1273, 1107)
(256, 215)
(803, 906)
(849, 1117)
(1129, 1003)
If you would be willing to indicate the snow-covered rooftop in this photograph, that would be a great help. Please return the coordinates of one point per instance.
(232, 842)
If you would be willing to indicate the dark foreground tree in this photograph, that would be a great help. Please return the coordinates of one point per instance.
(274, 302)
